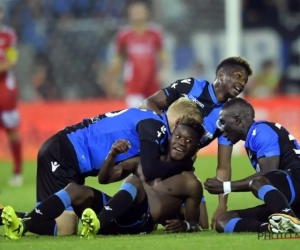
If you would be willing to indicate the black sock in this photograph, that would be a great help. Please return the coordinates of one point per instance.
(48, 228)
(49, 209)
(119, 204)
(239, 225)
(275, 200)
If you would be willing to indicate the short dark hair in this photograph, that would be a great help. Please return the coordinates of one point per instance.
(241, 106)
(192, 123)
(233, 61)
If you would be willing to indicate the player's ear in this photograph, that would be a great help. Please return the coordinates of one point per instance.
(221, 76)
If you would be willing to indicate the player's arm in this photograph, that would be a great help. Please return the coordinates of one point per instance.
(162, 99)
(192, 205)
(110, 172)
(189, 220)
(203, 219)
(266, 145)
(152, 166)
(223, 172)
(11, 56)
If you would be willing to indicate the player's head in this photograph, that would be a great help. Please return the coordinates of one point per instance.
(185, 138)
(232, 75)
(235, 118)
(138, 12)
(181, 107)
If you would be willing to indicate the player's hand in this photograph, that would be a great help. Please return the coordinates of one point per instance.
(214, 186)
(175, 226)
(220, 210)
(119, 147)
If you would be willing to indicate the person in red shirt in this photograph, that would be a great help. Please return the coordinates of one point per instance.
(140, 46)
(9, 115)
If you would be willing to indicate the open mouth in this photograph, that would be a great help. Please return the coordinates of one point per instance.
(238, 89)
(178, 149)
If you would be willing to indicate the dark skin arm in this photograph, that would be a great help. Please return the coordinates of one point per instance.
(157, 102)
(194, 193)
(215, 186)
(109, 171)
(223, 173)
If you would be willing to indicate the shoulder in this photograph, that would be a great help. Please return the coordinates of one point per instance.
(191, 180)
(124, 31)
(262, 130)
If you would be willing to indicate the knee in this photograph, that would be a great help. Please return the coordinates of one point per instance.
(223, 220)
(256, 184)
(132, 186)
(67, 224)
(78, 193)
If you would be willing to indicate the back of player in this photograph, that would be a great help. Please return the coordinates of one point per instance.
(92, 139)
(278, 142)
(9, 115)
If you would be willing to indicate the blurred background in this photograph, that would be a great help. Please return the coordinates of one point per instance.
(72, 62)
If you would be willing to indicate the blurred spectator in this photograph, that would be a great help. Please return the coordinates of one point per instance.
(264, 84)
(140, 45)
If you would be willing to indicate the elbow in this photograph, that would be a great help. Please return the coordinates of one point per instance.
(143, 104)
(148, 172)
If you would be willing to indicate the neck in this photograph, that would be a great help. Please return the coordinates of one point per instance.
(221, 97)
(246, 130)
(139, 27)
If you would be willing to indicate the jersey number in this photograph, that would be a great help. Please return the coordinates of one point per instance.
(292, 138)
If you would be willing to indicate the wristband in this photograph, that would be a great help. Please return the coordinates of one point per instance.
(188, 226)
(226, 187)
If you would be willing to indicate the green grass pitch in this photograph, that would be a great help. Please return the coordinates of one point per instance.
(23, 199)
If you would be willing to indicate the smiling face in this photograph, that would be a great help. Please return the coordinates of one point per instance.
(233, 80)
(231, 125)
(183, 143)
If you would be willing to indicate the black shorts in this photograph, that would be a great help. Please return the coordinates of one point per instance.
(136, 221)
(57, 166)
(287, 182)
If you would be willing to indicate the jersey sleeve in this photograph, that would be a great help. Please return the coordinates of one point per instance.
(265, 141)
(178, 89)
(120, 43)
(159, 43)
(223, 141)
(152, 131)
(152, 134)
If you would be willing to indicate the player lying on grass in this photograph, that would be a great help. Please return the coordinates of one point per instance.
(231, 77)
(138, 206)
(78, 151)
(275, 156)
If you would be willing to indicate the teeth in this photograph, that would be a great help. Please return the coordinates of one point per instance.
(238, 89)
(178, 149)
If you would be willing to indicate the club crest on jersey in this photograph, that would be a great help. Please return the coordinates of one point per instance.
(162, 131)
(207, 136)
(192, 98)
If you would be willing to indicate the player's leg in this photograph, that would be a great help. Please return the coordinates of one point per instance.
(246, 220)
(284, 220)
(10, 120)
(131, 191)
(54, 172)
(274, 190)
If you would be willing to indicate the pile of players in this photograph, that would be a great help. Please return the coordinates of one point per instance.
(154, 151)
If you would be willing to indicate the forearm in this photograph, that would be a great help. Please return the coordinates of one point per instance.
(106, 172)
(243, 185)
(150, 105)
(224, 175)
